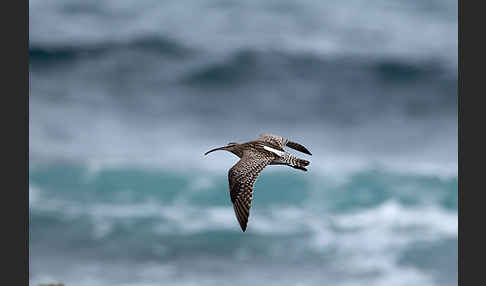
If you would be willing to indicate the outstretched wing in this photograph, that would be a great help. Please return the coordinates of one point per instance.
(281, 142)
(242, 177)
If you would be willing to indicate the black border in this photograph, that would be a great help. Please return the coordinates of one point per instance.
(15, 140)
(471, 185)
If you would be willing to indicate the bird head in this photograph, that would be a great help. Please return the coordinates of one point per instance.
(228, 147)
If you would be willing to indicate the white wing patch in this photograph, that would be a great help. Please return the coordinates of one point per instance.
(275, 151)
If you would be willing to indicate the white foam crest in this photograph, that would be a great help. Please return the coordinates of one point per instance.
(372, 240)
(380, 226)
(431, 220)
(367, 241)
(182, 218)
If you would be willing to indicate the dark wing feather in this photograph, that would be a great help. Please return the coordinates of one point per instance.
(242, 177)
(298, 147)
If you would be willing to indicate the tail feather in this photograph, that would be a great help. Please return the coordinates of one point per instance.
(292, 161)
(300, 164)
(297, 163)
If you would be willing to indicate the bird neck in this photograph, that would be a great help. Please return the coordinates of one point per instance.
(237, 151)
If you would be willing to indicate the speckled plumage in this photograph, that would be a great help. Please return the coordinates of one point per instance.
(255, 156)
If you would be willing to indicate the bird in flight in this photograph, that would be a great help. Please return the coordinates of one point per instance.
(254, 156)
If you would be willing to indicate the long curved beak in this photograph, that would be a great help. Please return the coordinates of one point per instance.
(216, 149)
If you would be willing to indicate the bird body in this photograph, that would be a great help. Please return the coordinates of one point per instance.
(254, 157)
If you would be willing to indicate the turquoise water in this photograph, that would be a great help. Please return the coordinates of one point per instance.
(359, 190)
(370, 226)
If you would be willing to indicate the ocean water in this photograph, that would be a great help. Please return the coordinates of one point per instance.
(126, 96)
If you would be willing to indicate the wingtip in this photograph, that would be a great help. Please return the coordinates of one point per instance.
(306, 151)
(243, 228)
(298, 147)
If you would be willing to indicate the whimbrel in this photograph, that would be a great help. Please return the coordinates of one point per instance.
(254, 156)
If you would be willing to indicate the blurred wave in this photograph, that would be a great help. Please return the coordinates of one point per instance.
(312, 221)
(126, 96)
